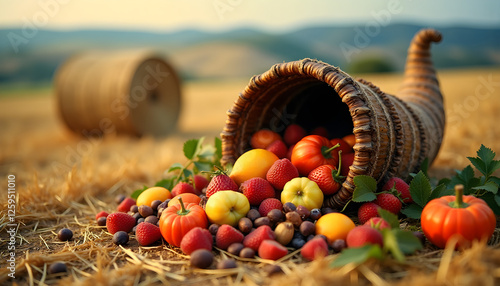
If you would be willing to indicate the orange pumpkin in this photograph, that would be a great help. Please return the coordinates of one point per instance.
(176, 220)
(466, 217)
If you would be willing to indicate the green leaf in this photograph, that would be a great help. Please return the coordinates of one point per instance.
(174, 167)
(484, 162)
(407, 242)
(493, 202)
(420, 189)
(137, 192)
(389, 217)
(440, 191)
(166, 183)
(203, 166)
(464, 177)
(391, 244)
(365, 189)
(490, 186)
(191, 147)
(425, 166)
(218, 149)
(412, 211)
(494, 179)
(357, 255)
(187, 173)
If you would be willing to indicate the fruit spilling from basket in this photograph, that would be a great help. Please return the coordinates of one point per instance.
(270, 204)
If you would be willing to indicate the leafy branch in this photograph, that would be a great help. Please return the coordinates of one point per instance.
(200, 158)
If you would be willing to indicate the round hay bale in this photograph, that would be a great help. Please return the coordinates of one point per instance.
(131, 92)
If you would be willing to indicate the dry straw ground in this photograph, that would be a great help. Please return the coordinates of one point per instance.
(62, 180)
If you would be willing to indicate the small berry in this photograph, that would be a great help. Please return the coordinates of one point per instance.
(145, 211)
(120, 238)
(65, 234)
(202, 258)
(315, 214)
(57, 267)
(253, 214)
(227, 264)
(307, 228)
(338, 245)
(235, 248)
(289, 207)
(247, 252)
(245, 225)
(101, 221)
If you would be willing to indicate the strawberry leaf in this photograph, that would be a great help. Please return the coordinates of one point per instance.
(391, 244)
(440, 191)
(166, 183)
(484, 162)
(190, 147)
(490, 186)
(412, 211)
(218, 149)
(174, 167)
(407, 242)
(365, 189)
(420, 189)
(389, 217)
(425, 166)
(466, 178)
(493, 201)
(203, 166)
(357, 255)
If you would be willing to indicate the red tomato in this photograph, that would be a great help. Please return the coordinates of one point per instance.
(313, 151)
(347, 160)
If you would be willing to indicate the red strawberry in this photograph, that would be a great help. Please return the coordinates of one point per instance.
(328, 178)
(271, 249)
(182, 188)
(293, 134)
(256, 237)
(101, 214)
(346, 160)
(366, 211)
(147, 233)
(314, 248)
(362, 235)
(378, 223)
(221, 182)
(256, 190)
(226, 235)
(389, 202)
(200, 182)
(268, 205)
(120, 221)
(278, 148)
(125, 205)
(401, 187)
(196, 238)
(281, 172)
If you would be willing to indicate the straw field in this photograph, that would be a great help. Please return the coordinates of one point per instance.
(63, 180)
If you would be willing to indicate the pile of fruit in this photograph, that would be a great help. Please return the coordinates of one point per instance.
(270, 204)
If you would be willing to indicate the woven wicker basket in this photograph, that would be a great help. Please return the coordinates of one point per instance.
(394, 134)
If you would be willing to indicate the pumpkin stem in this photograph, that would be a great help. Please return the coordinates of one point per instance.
(183, 210)
(459, 194)
(326, 152)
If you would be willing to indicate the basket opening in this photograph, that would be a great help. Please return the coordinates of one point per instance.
(311, 104)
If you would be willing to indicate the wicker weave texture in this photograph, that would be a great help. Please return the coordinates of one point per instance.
(394, 133)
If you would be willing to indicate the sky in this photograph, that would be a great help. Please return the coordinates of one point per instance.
(217, 15)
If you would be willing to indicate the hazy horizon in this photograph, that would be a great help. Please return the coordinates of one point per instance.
(223, 15)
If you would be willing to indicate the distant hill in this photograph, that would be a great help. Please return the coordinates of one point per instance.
(243, 52)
